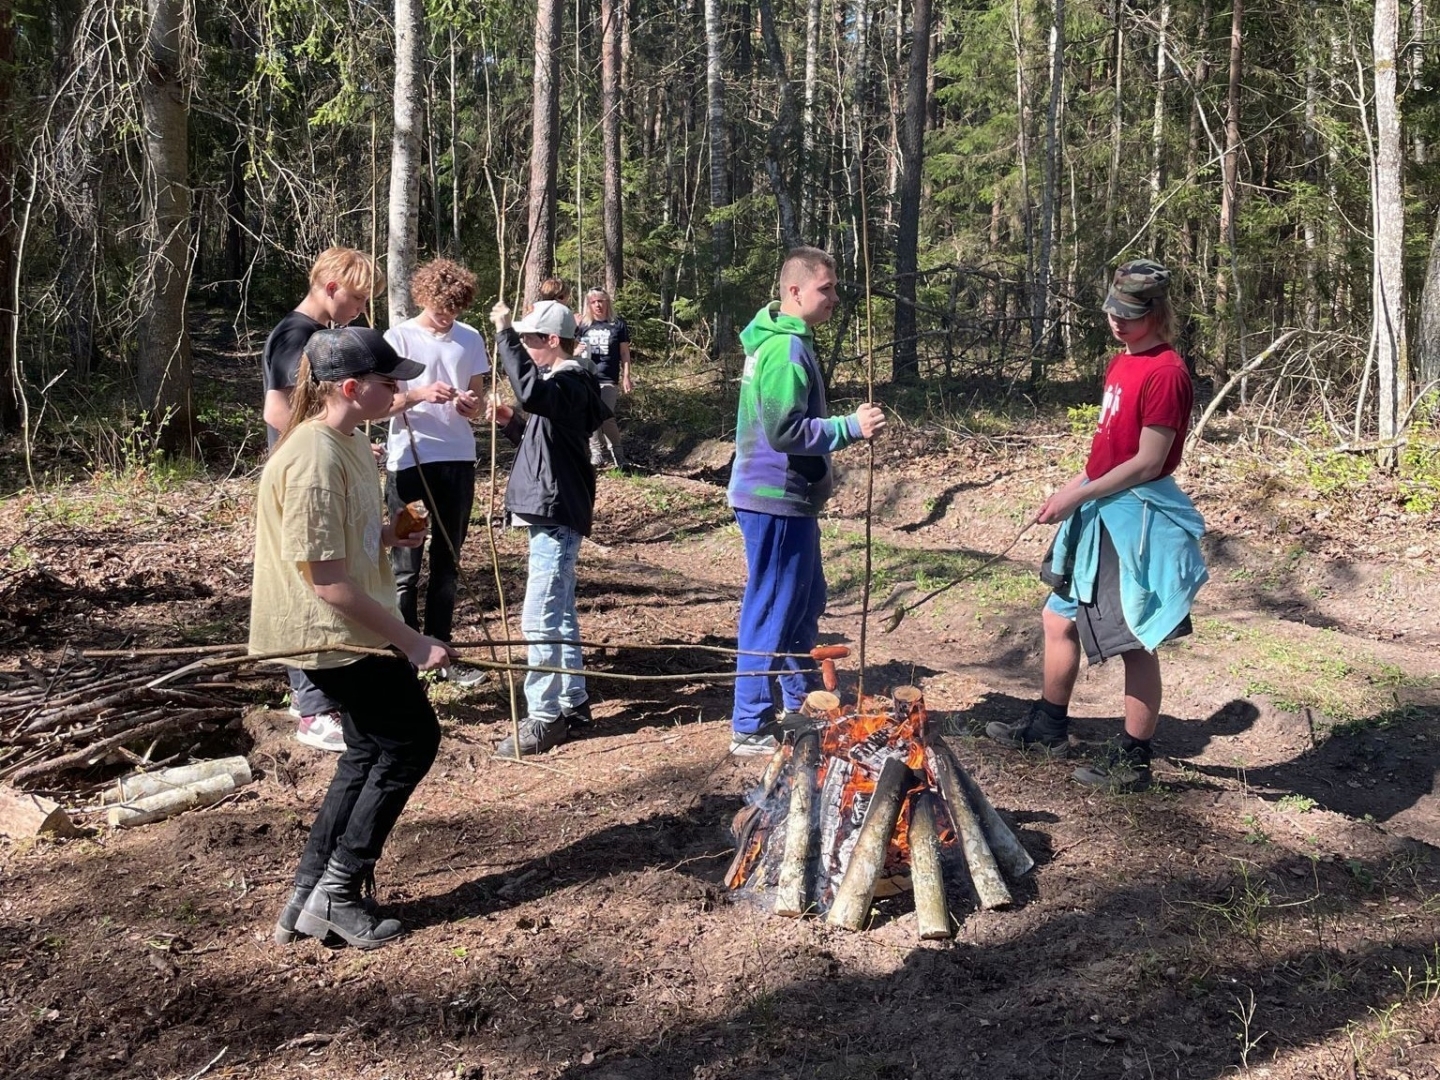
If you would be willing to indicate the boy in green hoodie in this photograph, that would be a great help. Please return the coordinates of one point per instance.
(780, 481)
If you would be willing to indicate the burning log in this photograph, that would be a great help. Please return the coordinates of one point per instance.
(790, 897)
(932, 915)
(867, 858)
(865, 803)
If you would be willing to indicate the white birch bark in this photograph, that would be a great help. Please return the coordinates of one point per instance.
(405, 159)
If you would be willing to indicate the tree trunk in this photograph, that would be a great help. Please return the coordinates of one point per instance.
(912, 156)
(401, 252)
(1229, 197)
(1040, 301)
(9, 383)
(780, 142)
(1157, 131)
(163, 365)
(720, 230)
(611, 13)
(812, 67)
(544, 147)
(1427, 345)
(1393, 383)
(1117, 117)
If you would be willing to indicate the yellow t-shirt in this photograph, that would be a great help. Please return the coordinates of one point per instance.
(319, 499)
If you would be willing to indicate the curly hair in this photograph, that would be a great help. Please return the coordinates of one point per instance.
(442, 285)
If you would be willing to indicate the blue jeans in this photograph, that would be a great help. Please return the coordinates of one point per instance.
(549, 615)
(780, 612)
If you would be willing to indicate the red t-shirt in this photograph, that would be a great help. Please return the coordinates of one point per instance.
(1144, 389)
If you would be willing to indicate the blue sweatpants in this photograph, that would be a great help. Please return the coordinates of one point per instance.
(780, 612)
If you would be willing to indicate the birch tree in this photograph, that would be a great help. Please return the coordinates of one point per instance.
(719, 176)
(403, 245)
(1392, 383)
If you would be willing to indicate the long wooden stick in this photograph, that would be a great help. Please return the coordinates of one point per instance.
(460, 646)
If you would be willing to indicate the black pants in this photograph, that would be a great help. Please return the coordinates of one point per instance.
(391, 738)
(452, 483)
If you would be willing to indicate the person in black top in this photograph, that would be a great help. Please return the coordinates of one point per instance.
(607, 343)
(341, 282)
(551, 492)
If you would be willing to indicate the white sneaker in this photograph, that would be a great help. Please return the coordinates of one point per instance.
(323, 731)
(463, 675)
(755, 745)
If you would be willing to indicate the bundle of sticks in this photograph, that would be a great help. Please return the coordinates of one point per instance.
(80, 713)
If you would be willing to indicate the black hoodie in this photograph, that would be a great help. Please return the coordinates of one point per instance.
(552, 481)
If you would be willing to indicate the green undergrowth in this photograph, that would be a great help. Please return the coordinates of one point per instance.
(998, 588)
(1344, 687)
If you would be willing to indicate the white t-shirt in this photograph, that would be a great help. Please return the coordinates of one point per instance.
(441, 433)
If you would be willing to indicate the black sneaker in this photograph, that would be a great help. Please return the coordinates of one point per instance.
(578, 718)
(536, 736)
(1029, 734)
(1118, 769)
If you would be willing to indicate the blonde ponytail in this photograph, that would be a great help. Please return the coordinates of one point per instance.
(307, 401)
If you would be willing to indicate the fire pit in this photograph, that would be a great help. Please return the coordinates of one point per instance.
(867, 803)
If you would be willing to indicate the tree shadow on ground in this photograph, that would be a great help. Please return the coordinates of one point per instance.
(1376, 767)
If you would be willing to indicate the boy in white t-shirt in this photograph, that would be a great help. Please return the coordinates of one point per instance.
(430, 432)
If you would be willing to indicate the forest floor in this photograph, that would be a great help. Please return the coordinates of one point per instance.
(1270, 908)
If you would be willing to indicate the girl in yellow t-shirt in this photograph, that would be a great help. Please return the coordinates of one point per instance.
(321, 580)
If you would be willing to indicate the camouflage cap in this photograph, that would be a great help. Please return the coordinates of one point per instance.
(1135, 287)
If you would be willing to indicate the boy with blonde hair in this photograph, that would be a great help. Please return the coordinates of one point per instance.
(342, 281)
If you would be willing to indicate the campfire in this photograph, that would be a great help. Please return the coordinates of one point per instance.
(865, 803)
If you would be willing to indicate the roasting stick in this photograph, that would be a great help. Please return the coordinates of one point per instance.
(459, 646)
(494, 444)
(869, 443)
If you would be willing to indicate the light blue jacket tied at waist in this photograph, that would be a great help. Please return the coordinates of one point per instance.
(1156, 531)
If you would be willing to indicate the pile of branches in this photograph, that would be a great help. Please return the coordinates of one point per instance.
(81, 713)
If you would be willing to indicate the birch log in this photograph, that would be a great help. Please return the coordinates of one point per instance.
(932, 916)
(141, 785)
(791, 897)
(985, 878)
(168, 803)
(867, 858)
(1009, 852)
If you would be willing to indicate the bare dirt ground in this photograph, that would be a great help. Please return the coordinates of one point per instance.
(1271, 908)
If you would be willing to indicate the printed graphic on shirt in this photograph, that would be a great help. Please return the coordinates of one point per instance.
(1109, 405)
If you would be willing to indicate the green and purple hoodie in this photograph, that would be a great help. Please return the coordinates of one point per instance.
(783, 435)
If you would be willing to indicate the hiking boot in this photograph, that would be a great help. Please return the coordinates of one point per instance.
(754, 744)
(536, 736)
(578, 718)
(336, 905)
(323, 731)
(1035, 732)
(1117, 768)
(464, 676)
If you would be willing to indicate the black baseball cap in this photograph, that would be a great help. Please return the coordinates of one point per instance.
(351, 351)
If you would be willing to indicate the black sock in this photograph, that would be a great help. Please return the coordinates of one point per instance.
(1137, 749)
(1055, 712)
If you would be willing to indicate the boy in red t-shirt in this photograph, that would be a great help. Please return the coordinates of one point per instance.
(1144, 415)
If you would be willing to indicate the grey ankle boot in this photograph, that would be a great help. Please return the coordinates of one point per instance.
(335, 906)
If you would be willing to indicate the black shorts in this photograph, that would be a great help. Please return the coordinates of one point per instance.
(1103, 630)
